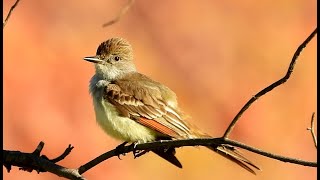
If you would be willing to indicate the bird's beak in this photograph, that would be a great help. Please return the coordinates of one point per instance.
(93, 59)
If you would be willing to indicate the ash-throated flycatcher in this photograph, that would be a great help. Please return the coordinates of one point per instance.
(134, 108)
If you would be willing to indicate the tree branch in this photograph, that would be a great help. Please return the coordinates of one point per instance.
(63, 155)
(33, 161)
(120, 14)
(311, 129)
(271, 155)
(9, 14)
(189, 142)
(272, 86)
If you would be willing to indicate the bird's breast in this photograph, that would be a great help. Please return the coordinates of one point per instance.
(120, 127)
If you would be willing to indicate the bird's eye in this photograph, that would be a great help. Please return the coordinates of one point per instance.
(117, 58)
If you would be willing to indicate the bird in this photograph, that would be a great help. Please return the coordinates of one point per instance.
(132, 107)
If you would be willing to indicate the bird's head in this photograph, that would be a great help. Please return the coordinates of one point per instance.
(114, 58)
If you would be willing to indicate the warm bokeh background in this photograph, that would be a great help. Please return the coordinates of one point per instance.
(214, 54)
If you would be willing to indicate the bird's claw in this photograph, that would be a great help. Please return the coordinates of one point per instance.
(137, 153)
(119, 150)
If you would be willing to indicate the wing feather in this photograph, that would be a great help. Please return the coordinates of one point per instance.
(147, 105)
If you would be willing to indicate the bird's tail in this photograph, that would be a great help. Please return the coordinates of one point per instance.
(235, 156)
(169, 155)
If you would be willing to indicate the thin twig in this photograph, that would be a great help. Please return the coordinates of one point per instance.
(271, 155)
(39, 148)
(311, 129)
(272, 86)
(9, 14)
(120, 14)
(63, 155)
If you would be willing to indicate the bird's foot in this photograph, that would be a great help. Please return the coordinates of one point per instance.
(119, 149)
(137, 153)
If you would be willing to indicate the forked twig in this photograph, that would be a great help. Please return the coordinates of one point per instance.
(33, 161)
(311, 129)
(272, 86)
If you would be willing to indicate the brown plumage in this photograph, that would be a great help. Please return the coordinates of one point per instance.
(137, 98)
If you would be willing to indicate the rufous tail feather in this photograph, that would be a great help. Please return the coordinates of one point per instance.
(232, 154)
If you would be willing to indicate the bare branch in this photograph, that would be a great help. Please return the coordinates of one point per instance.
(120, 14)
(311, 129)
(9, 14)
(189, 142)
(63, 155)
(82, 169)
(271, 155)
(39, 148)
(272, 86)
(33, 161)
(36, 152)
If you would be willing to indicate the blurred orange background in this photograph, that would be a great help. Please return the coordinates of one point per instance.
(214, 54)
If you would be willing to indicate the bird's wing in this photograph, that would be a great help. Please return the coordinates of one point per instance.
(148, 103)
(151, 104)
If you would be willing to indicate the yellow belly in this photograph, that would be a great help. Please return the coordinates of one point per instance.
(119, 127)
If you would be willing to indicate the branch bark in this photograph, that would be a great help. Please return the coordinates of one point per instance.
(33, 161)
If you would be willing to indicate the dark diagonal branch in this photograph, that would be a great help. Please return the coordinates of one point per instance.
(9, 14)
(311, 129)
(120, 14)
(272, 86)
